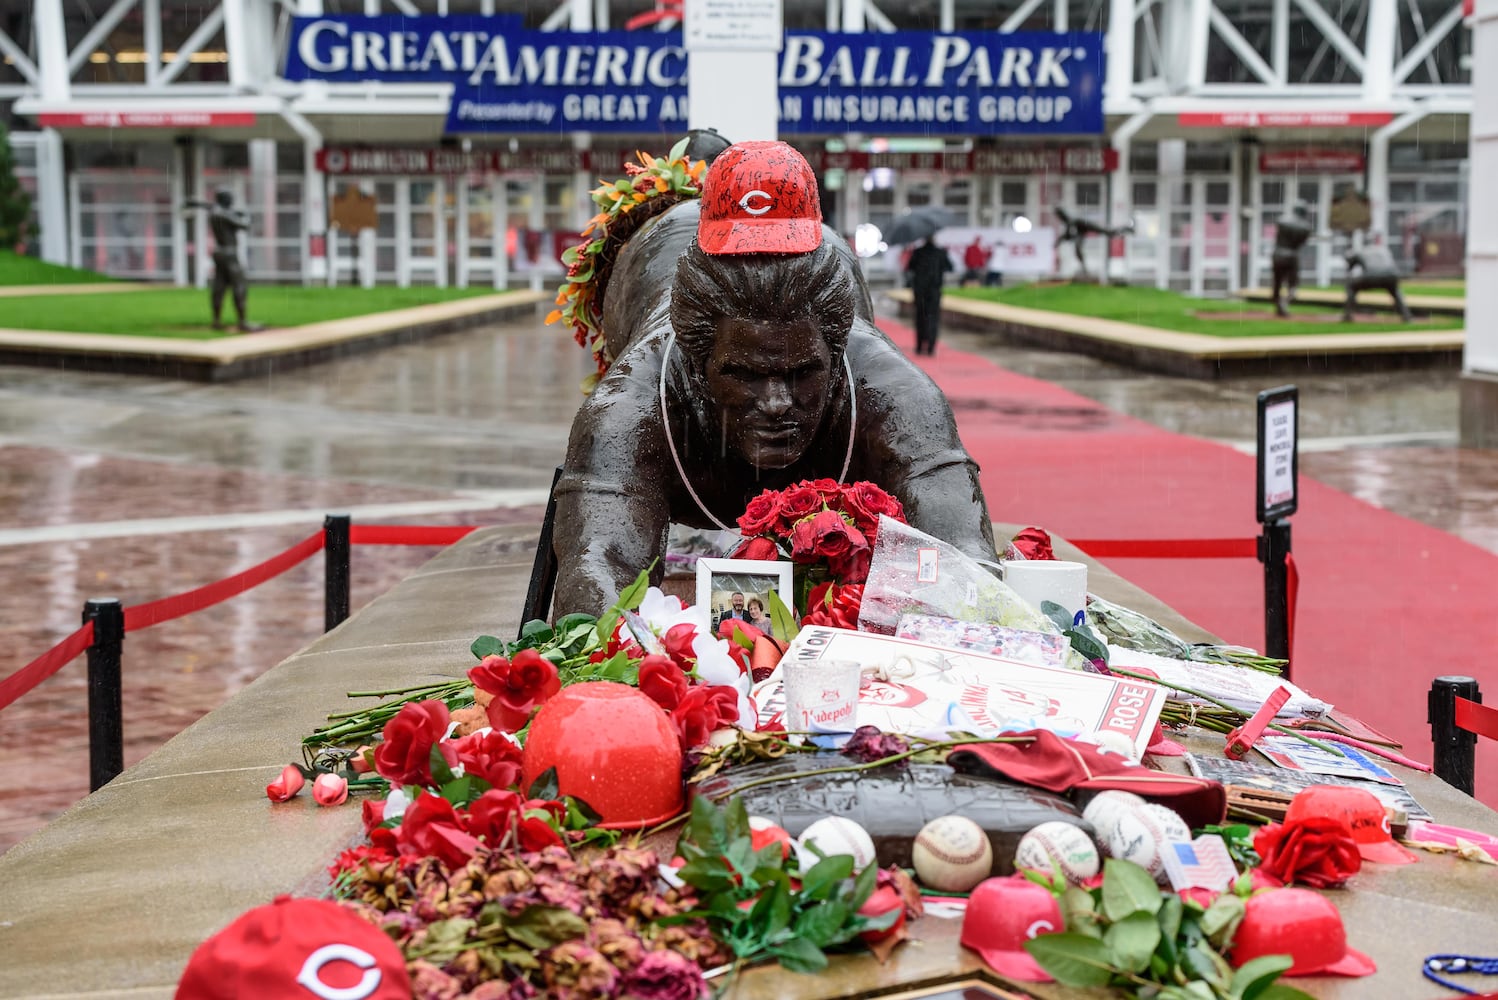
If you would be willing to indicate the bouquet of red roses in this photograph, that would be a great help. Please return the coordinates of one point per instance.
(826, 527)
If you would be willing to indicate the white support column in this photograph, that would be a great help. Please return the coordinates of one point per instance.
(51, 50)
(1172, 173)
(1254, 214)
(946, 17)
(368, 260)
(536, 222)
(581, 15)
(582, 179)
(1378, 170)
(1196, 51)
(150, 17)
(834, 15)
(1378, 68)
(1059, 16)
(1119, 45)
(1479, 380)
(1279, 41)
(180, 180)
(1121, 183)
(403, 233)
(200, 238)
(854, 18)
(75, 222)
(439, 229)
(51, 201)
(499, 205)
(237, 43)
(461, 189)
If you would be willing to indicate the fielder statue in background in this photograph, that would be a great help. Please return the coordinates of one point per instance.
(1075, 231)
(746, 359)
(1373, 267)
(1291, 232)
(226, 223)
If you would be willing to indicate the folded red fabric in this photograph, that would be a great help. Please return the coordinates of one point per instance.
(1060, 765)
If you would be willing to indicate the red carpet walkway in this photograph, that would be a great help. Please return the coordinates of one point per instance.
(1386, 603)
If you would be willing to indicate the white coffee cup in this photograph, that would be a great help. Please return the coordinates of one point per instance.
(821, 696)
(1037, 580)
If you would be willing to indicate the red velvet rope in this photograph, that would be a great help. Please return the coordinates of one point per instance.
(1165, 548)
(404, 534)
(46, 665)
(155, 612)
(1292, 594)
(1477, 718)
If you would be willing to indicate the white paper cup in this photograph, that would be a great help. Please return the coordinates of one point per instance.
(821, 696)
(1037, 580)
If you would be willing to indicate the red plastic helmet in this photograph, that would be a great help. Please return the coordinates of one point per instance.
(760, 197)
(1302, 924)
(613, 748)
(1004, 913)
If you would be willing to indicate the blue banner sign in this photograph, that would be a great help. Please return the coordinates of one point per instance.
(509, 79)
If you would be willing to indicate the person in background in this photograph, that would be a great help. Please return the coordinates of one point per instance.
(975, 260)
(928, 267)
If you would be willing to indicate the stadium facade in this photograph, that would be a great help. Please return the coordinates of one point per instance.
(472, 129)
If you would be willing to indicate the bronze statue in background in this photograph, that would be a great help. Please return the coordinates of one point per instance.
(746, 359)
(1075, 230)
(1291, 232)
(1373, 267)
(226, 222)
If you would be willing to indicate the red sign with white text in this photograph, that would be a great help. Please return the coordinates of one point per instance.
(147, 119)
(1283, 119)
(1311, 161)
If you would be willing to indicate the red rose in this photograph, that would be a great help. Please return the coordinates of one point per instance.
(830, 490)
(405, 756)
(866, 502)
(1033, 543)
(797, 502)
(853, 567)
(536, 834)
(518, 686)
(492, 756)
(803, 541)
(757, 548)
(762, 516)
(678, 642)
(430, 828)
(492, 816)
(1317, 851)
(835, 605)
(373, 814)
(663, 681)
(835, 537)
(703, 709)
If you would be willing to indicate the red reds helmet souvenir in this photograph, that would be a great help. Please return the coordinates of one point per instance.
(760, 197)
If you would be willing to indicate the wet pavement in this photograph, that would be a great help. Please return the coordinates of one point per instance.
(140, 487)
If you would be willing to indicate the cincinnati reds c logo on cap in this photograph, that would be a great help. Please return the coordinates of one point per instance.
(757, 193)
(1038, 928)
(309, 976)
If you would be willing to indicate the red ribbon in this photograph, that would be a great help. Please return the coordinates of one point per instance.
(155, 612)
(46, 665)
(1165, 548)
(402, 534)
(1476, 717)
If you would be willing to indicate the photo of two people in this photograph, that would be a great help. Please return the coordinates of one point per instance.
(744, 598)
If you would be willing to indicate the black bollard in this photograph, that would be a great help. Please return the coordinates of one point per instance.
(1455, 748)
(336, 546)
(1274, 545)
(544, 570)
(106, 727)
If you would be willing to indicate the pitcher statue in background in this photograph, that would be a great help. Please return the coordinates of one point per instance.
(226, 222)
(746, 358)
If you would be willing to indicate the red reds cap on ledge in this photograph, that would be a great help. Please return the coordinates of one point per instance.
(760, 197)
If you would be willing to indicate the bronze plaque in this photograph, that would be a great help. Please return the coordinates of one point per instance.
(1351, 212)
(353, 210)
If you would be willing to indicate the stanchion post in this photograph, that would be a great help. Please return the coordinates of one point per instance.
(1455, 748)
(544, 570)
(1274, 546)
(106, 726)
(1277, 497)
(336, 548)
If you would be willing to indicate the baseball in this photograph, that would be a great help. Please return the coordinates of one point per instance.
(952, 853)
(1060, 848)
(1104, 809)
(1171, 824)
(1111, 742)
(1138, 836)
(836, 835)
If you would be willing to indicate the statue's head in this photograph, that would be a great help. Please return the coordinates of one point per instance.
(705, 144)
(224, 197)
(1302, 209)
(762, 306)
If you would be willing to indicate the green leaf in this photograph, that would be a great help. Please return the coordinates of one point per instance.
(1222, 918)
(1074, 960)
(631, 596)
(680, 149)
(461, 791)
(782, 620)
(772, 913)
(863, 886)
(1200, 962)
(1133, 940)
(441, 773)
(820, 922)
(487, 645)
(1087, 644)
(1257, 974)
(545, 785)
(1077, 902)
(799, 955)
(1128, 888)
(1284, 991)
(825, 874)
(1169, 918)
(1058, 615)
(535, 633)
(541, 927)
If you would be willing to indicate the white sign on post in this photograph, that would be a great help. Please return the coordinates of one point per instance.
(1279, 453)
(733, 25)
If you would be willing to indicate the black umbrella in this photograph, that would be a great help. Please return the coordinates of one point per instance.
(917, 224)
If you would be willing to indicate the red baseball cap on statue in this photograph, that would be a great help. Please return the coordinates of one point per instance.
(1361, 812)
(760, 197)
(296, 949)
(1002, 914)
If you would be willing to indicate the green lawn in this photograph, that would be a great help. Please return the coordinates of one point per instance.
(1454, 289)
(18, 270)
(1172, 311)
(184, 312)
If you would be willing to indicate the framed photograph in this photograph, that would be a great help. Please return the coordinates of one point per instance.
(741, 588)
